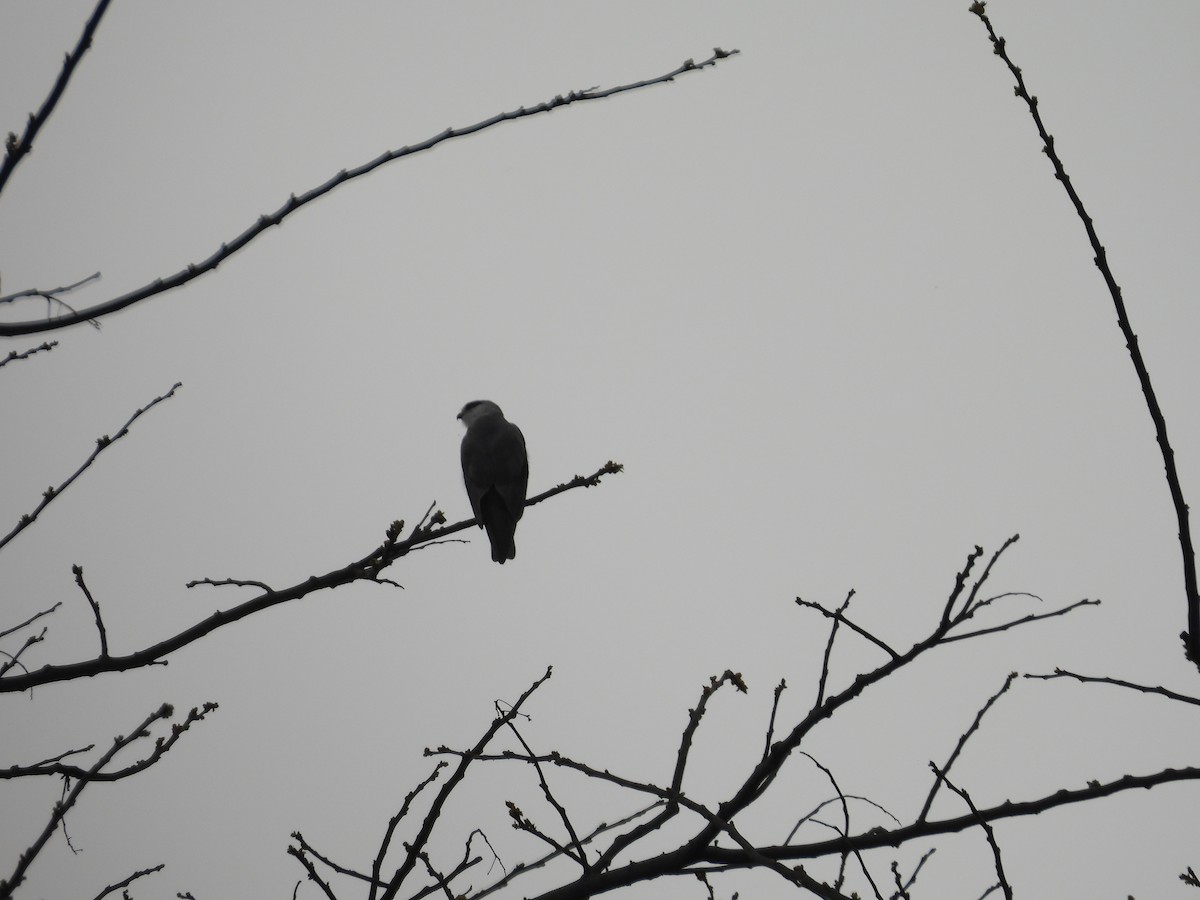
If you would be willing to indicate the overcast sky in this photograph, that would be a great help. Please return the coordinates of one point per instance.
(825, 302)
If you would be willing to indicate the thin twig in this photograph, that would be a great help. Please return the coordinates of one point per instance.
(577, 853)
(102, 444)
(15, 628)
(962, 742)
(1142, 688)
(833, 630)
(779, 689)
(78, 572)
(128, 881)
(829, 614)
(13, 355)
(987, 830)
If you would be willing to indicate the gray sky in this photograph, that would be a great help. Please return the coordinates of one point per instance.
(825, 302)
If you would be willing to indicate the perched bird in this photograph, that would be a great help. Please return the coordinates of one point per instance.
(496, 472)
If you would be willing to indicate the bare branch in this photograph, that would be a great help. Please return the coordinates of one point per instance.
(78, 572)
(882, 837)
(97, 773)
(14, 659)
(779, 689)
(1143, 688)
(1024, 620)
(294, 202)
(987, 830)
(102, 444)
(577, 853)
(808, 604)
(30, 620)
(962, 742)
(17, 148)
(312, 851)
(229, 582)
(128, 881)
(55, 766)
(523, 868)
(395, 820)
(365, 569)
(435, 809)
(312, 871)
(1191, 585)
(833, 630)
(960, 581)
(13, 355)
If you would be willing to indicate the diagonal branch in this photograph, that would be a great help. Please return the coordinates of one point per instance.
(962, 742)
(102, 443)
(1190, 637)
(435, 809)
(16, 149)
(294, 202)
(14, 356)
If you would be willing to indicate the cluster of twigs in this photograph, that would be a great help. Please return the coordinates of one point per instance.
(609, 857)
(602, 856)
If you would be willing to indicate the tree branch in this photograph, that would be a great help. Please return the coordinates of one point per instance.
(16, 149)
(294, 202)
(102, 443)
(1191, 586)
(13, 355)
(365, 569)
(96, 773)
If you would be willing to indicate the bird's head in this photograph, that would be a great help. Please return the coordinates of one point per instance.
(478, 409)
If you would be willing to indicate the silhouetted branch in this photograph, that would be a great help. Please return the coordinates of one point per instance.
(15, 628)
(128, 881)
(97, 773)
(294, 202)
(78, 572)
(435, 810)
(55, 767)
(102, 444)
(1190, 637)
(16, 148)
(962, 742)
(839, 616)
(1142, 688)
(229, 582)
(1024, 620)
(987, 829)
(523, 868)
(882, 837)
(779, 689)
(903, 884)
(833, 630)
(14, 659)
(395, 820)
(365, 569)
(13, 355)
(575, 849)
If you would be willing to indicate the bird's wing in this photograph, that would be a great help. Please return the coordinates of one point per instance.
(512, 468)
(494, 458)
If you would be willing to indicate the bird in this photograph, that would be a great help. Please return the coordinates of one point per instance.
(496, 473)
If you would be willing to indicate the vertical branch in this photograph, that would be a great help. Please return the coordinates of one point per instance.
(1190, 637)
(78, 572)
